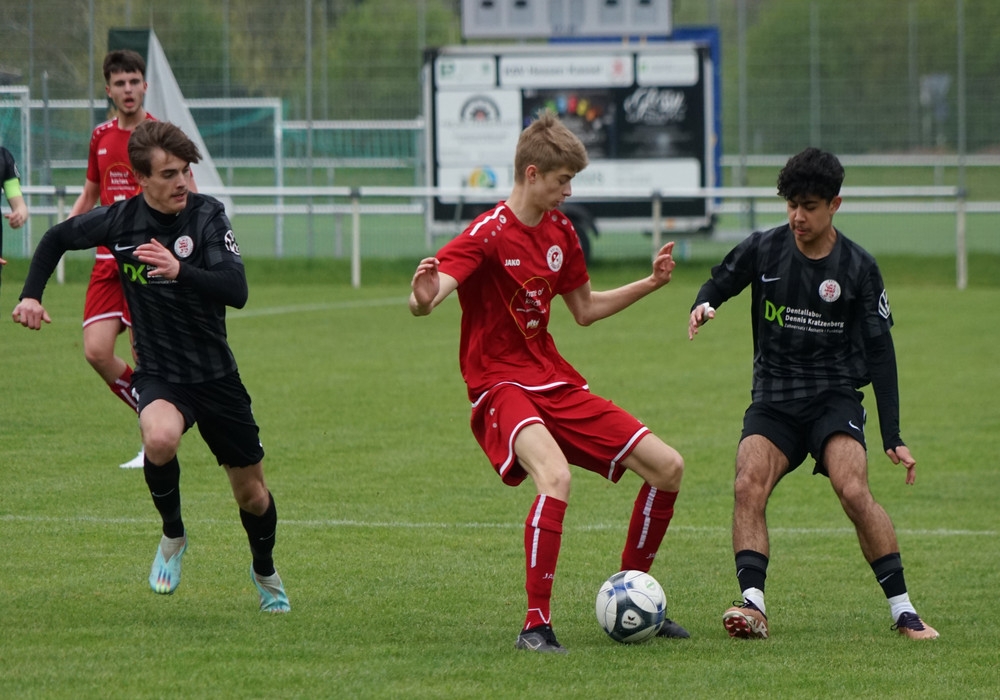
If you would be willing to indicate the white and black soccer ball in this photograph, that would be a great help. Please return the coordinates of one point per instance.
(631, 606)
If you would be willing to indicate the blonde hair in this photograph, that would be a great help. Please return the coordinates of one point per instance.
(549, 145)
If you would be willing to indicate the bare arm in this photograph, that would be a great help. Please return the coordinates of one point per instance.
(18, 211)
(588, 306)
(87, 199)
(429, 287)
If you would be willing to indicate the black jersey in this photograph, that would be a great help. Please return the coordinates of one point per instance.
(179, 325)
(812, 319)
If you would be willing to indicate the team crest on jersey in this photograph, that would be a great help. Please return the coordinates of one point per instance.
(231, 243)
(183, 247)
(554, 258)
(829, 290)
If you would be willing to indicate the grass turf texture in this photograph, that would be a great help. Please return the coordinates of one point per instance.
(401, 550)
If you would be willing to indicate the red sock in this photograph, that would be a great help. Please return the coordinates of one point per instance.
(542, 537)
(650, 517)
(122, 388)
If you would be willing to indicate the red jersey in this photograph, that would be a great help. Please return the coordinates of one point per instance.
(508, 275)
(108, 165)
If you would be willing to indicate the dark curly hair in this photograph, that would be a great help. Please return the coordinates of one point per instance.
(123, 61)
(811, 172)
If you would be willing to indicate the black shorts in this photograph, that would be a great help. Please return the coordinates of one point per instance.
(801, 427)
(220, 407)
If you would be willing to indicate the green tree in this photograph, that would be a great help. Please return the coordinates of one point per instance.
(376, 55)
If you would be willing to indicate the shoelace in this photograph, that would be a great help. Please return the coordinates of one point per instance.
(910, 622)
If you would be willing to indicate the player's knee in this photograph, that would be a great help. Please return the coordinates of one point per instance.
(855, 497)
(160, 443)
(98, 357)
(553, 480)
(253, 498)
(749, 488)
(671, 470)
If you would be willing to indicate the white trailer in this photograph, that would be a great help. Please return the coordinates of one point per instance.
(647, 113)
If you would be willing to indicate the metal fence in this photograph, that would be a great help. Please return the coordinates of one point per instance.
(327, 93)
(853, 76)
(359, 223)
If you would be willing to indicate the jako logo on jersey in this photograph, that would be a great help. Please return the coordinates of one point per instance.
(134, 272)
(774, 313)
(829, 291)
(554, 258)
(231, 243)
(184, 246)
(512, 262)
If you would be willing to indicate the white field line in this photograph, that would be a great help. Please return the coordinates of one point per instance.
(309, 308)
(403, 525)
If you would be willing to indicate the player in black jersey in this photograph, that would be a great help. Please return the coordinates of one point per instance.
(821, 331)
(180, 267)
(10, 183)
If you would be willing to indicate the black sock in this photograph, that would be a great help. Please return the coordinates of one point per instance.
(889, 574)
(260, 532)
(751, 569)
(164, 486)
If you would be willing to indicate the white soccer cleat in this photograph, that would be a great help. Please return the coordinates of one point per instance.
(136, 462)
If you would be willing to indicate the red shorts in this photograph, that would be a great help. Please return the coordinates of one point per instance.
(592, 432)
(105, 298)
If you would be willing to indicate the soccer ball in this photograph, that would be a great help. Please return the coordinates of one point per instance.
(631, 606)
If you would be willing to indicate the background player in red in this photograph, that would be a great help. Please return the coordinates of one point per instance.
(532, 412)
(109, 180)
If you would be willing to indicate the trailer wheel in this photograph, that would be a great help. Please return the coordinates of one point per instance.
(583, 222)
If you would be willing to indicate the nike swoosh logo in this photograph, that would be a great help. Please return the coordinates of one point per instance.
(851, 423)
(765, 279)
(121, 248)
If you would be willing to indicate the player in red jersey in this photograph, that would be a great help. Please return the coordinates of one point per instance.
(532, 412)
(109, 180)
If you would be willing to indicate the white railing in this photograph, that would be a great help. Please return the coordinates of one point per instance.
(358, 201)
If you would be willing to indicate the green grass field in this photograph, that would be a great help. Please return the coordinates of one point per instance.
(402, 552)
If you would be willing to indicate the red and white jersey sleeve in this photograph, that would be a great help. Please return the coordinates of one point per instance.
(508, 276)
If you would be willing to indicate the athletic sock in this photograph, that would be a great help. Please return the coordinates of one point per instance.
(261, 530)
(751, 572)
(755, 596)
(164, 486)
(170, 546)
(900, 604)
(122, 388)
(651, 515)
(542, 539)
(888, 572)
